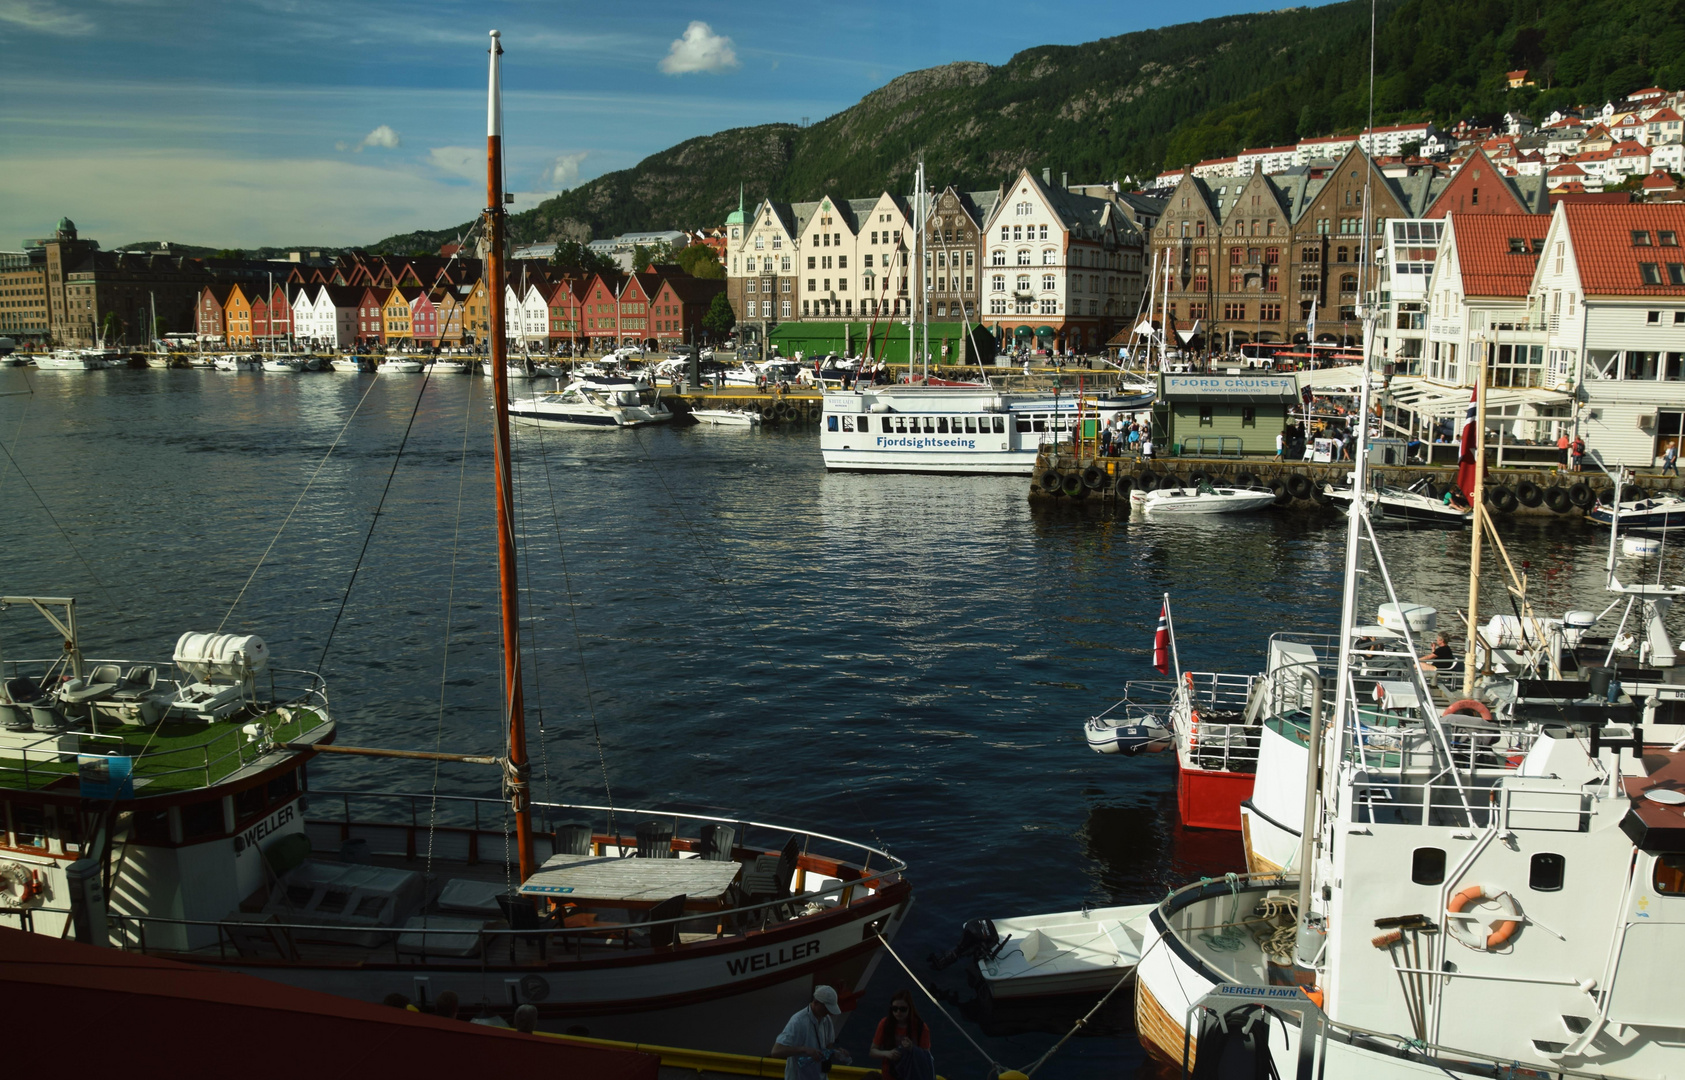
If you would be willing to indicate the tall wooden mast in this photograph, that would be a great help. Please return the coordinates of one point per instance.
(514, 712)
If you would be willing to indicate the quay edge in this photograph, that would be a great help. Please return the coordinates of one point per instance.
(1119, 475)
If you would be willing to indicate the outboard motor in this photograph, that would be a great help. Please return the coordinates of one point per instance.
(978, 940)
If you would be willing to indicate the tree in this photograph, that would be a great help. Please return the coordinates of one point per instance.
(699, 260)
(575, 257)
(643, 256)
(720, 319)
(111, 329)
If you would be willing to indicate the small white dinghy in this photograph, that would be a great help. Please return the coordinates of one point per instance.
(725, 417)
(1067, 952)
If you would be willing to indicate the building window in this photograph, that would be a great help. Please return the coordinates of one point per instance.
(1023, 283)
(997, 257)
(1640, 238)
(997, 307)
(1348, 283)
(1047, 282)
(1310, 281)
(997, 283)
(1269, 312)
(1049, 307)
(1023, 256)
(1197, 310)
(1649, 273)
(1199, 228)
(1234, 312)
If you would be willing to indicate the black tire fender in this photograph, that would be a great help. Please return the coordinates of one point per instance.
(1502, 499)
(1072, 486)
(1094, 478)
(1147, 481)
(1579, 493)
(1282, 495)
(1529, 493)
(1557, 499)
(1299, 486)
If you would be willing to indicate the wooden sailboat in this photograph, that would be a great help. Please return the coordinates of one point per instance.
(165, 807)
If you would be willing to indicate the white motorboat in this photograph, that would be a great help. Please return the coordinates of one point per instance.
(593, 403)
(1205, 499)
(349, 363)
(1068, 952)
(1658, 513)
(69, 360)
(516, 371)
(284, 364)
(452, 367)
(726, 417)
(1414, 504)
(401, 365)
(239, 363)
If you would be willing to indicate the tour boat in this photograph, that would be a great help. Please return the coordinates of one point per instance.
(166, 807)
(593, 403)
(1204, 499)
(69, 360)
(951, 429)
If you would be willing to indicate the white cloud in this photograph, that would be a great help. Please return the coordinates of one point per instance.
(463, 161)
(44, 17)
(563, 173)
(700, 49)
(382, 136)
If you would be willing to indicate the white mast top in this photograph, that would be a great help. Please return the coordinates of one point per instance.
(494, 91)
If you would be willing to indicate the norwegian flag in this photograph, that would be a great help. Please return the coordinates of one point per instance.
(1467, 436)
(1161, 640)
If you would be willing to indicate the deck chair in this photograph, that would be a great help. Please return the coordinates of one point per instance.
(521, 915)
(768, 879)
(666, 935)
(655, 840)
(718, 841)
(138, 683)
(573, 839)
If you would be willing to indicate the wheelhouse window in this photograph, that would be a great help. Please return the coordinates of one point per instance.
(1427, 866)
(1545, 872)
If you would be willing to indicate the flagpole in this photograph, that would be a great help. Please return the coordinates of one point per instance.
(1170, 625)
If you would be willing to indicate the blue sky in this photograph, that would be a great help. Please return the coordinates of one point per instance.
(338, 122)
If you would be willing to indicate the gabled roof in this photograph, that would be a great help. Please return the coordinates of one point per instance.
(1603, 248)
(1497, 253)
(1660, 115)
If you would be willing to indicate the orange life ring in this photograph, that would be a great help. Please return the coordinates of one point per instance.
(1460, 707)
(1498, 934)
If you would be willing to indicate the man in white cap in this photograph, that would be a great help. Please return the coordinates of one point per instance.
(809, 1034)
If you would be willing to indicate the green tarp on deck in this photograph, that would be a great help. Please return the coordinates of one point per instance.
(888, 341)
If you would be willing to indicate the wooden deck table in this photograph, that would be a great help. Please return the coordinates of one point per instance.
(610, 881)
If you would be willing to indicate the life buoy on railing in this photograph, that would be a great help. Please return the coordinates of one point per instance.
(18, 885)
(1498, 934)
(1468, 707)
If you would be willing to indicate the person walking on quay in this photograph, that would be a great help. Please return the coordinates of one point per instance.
(1106, 439)
(1578, 452)
(805, 1043)
(1146, 446)
(1280, 443)
(902, 1042)
(1670, 460)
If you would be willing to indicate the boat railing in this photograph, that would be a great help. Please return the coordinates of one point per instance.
(1144, 700)
(1217, 691)
(479, 813)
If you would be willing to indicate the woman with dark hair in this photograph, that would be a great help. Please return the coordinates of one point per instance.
(902, 1041)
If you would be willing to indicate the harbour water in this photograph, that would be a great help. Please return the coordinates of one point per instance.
(900, 659)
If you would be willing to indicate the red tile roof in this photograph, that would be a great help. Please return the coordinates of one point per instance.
(1604, 251)
(1486, 252)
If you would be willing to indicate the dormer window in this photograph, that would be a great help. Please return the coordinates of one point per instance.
(1517, 246)
(1667, 238)
(1640, 238)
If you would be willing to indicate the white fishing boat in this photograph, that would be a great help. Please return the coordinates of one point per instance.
(593, 403)
(1486, 887)
(401, 365)
(726, 417)
(1414, 505)
(1069, 952)
(1204, 499)
(452, 367)
(160, 807)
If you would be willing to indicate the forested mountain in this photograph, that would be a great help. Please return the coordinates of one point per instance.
(1135, 104)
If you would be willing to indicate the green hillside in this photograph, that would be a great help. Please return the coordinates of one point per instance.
(1135, 104)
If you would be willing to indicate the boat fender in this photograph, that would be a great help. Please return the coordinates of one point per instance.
(1169, 480)
(1146, 481)
(1124, 483)
(1072, 485)
(1498, 934)
(1050, 482)
(1529, 493)
(1319, 494)
(1468, 707)
(1557, 499)
(1299, 486)
(1502, 499)
(1197, 477)
(1093, 477)
(1246, 480)
(1282, 495)
(1580, 494)
(18, 885)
